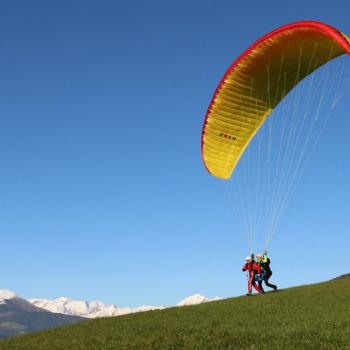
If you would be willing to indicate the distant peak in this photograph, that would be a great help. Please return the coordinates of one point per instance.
(7, 294)
(195, 299)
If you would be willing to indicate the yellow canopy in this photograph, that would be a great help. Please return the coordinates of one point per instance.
(257, 81)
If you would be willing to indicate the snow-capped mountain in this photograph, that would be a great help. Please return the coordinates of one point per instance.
(94, 309)
(18, 316)
(6, 294)
(195, 299)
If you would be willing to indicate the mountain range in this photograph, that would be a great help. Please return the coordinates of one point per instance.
(19, 316)
(94, 309)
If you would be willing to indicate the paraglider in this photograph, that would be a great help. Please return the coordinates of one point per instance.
(252, 88)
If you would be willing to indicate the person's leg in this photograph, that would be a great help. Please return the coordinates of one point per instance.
(257, 288)
(266, 280)
(250, 284)
(260, 285)
(270, 285)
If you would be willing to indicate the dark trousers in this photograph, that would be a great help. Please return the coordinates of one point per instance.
(266, 280)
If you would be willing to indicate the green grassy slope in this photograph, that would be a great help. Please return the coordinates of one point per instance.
(307, 317)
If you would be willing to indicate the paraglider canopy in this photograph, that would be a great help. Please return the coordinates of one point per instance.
(257, 81)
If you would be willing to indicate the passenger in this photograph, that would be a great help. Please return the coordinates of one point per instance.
(264, 264)
(253, 269)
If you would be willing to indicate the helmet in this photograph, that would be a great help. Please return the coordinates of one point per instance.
(248, 258)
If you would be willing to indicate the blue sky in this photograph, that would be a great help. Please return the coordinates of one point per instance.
(103, 194)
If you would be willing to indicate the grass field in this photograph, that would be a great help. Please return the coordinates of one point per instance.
(308, 317)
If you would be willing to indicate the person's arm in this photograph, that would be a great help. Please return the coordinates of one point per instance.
(245, 267)
(265, 258)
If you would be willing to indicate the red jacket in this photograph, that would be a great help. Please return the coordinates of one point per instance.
(252, 267)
